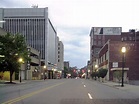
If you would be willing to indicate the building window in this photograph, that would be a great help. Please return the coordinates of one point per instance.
(58, 48)
(130, 38)
(125, 38)
(107, 55)
(133, 38)
(99, 37)
(99, 42)
(95, 37)
(58, 60)
(58, 56)
(103, 57)
(58, 52)
(95, 43)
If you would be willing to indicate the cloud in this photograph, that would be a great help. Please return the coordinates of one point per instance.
(76, 45)
(73, 20)
(13, 3)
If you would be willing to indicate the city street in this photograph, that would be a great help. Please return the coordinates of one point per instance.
(64, 91)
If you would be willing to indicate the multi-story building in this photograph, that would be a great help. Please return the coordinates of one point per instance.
(98, 37)
(34, 24)
(66, 64)
(110, 57)
(60, 59)
(132, 35)
(29, 70)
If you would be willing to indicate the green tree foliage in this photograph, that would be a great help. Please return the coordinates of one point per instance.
(102, 72)
(65, 71)
(95, 74)
(12, 47)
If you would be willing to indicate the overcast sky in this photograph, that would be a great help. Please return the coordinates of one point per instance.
(73, 20)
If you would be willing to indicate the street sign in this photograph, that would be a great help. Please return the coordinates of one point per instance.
(115, 64)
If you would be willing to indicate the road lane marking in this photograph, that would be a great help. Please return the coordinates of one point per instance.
(84, 85)
(29, 95)
(90, 96)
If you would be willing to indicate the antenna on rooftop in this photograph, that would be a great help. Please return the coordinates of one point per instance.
(34, 6)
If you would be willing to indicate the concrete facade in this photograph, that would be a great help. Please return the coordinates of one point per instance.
(35, 25)
(60, 61)
(52, 44)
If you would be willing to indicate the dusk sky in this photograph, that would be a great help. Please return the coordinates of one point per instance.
(73, 20)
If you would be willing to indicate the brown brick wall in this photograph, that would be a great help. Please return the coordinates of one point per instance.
(132, 57)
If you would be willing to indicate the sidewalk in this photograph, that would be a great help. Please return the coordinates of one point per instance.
(127, 87)
(3, 82)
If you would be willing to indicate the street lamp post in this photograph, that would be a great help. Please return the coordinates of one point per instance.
(123, 64)
(20, 60)
(88, 74)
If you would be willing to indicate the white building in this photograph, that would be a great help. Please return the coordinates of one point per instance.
(60, 55)
(34, 24)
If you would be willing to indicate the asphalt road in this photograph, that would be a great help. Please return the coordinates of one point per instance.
(65, 91)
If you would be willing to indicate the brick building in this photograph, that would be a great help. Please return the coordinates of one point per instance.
(98, 37)
(110, 54)
(105, 50)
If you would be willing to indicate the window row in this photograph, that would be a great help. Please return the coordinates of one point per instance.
(103, 58)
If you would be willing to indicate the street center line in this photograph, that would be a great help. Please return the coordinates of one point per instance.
(90, 96)
(30, 94)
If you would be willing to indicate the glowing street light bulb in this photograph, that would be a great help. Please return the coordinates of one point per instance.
(96, 66)
(20, 59)
(44, 66)
(123, 49)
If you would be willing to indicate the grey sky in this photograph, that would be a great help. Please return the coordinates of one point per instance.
(73, 20)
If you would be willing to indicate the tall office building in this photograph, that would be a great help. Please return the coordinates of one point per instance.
(35, 25)
(60, 59)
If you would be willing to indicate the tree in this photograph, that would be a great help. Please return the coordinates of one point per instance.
(102, 73)
(12, 48)
(65, 71)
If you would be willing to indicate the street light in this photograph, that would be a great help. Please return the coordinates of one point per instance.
(20, 60)
(44, 76)
(96, 66)
(123, 64)
(44, 66)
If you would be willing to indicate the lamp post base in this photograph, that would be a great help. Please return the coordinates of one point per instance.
(20, 79)
(122, 85)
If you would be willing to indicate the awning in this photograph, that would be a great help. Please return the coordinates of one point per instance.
(114, 69)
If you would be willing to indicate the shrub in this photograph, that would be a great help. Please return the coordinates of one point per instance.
(102, 72)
